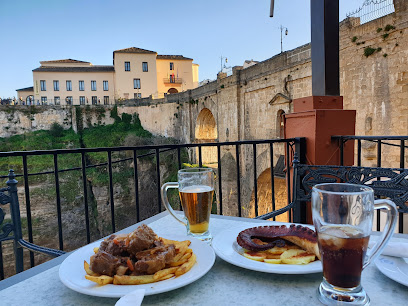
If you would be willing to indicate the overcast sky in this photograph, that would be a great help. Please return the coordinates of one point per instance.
(90, 30)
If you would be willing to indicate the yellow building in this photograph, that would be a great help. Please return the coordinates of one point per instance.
(135, 73)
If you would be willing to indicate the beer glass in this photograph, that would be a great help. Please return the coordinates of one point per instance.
(196, 190)
(343, 217)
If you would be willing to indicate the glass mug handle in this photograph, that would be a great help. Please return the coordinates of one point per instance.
(166, 201)
(392, 211)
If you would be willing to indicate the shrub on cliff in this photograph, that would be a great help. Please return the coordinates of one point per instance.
(56, 130)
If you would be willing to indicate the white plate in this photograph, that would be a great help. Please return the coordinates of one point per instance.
(225, 246)
(72, 272)
(394, 267)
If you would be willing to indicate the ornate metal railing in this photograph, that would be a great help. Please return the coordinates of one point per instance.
(134, 155)
(379, 158)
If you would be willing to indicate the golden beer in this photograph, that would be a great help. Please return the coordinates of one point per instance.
(197, 202)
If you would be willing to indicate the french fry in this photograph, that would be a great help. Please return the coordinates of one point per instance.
(189, 251)
(182, 260)
(184, 268)
(168, 241)
(96, 250)
(100, 280)
(180, 251)
(165, 277)
(134, 280)
(162, 273)
(175, 242)
(88, 270)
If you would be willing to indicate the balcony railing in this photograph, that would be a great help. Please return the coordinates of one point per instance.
(237, 166)
(378, 151)
(172, 80)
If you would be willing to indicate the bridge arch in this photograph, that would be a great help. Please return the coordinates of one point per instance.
(206, 126)
(206, 131)
(264, 185)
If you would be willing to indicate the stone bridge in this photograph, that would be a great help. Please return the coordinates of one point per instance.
(251, 103)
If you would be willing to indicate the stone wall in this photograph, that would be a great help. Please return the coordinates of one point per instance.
(19, 119)
(377, 85)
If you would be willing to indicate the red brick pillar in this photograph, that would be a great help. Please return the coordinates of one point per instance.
(317, 119)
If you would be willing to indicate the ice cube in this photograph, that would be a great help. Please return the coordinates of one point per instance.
(335, 231)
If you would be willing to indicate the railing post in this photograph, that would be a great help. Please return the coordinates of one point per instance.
(300, 210)
(341, 142)
(16, 219)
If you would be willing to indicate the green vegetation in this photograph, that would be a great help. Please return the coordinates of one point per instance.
(384, 36)
(369, 51)
(379, 30)
(354, 39)
(389, 27)
(56, 130)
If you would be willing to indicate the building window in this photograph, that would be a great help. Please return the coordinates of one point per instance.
(69, 86)
(93, 85)
(43, 86)
(171, 66)
(106, 100)
(136, 83)
(81, 85)
(57, 100)
(94, 100)
(69, 100)
(43, 100)
(172, 78)
(127, 66)
(138, 95)
(145, 68)
(280, 124)
(105, 85)
(82, 100)
(56, 85)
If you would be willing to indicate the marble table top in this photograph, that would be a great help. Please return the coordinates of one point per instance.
(224, 284)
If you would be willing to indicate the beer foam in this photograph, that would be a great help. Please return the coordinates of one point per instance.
(196, 189)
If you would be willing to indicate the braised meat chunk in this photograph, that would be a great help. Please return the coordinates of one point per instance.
(104, 263)
(141, 239)
(115, 245)
(152, 260)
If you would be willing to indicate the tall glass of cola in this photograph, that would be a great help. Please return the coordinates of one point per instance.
(343, 217)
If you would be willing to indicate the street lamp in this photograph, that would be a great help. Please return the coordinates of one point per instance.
(286, 33)
(324, 46)
(223, 60)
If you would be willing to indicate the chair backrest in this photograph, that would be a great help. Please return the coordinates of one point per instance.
(389, 183)
(12, 230)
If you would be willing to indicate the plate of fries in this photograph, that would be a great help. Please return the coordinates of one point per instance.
(225, 246)
(193, 260)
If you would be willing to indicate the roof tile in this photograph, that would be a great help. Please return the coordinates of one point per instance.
(68, 60)
(134, 50)
(95, 68)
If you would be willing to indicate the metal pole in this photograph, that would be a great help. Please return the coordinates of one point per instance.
(281, 39)
(325, 47)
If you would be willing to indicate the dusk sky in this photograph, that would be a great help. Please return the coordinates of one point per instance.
(90, 30)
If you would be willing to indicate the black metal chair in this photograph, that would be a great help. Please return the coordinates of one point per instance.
(391, 183)
(13, 230)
